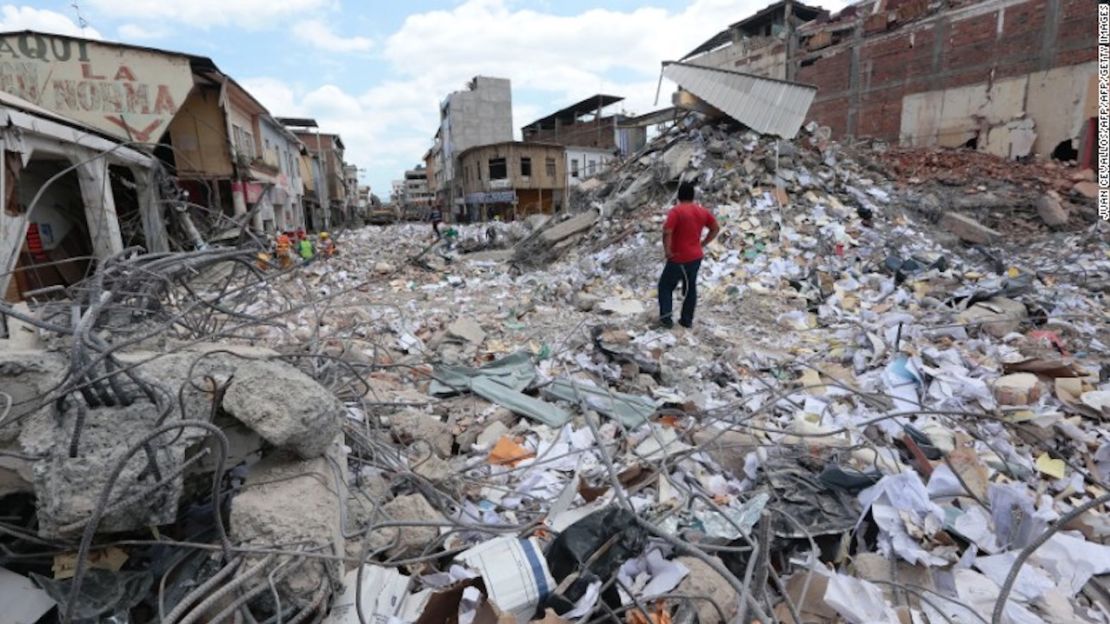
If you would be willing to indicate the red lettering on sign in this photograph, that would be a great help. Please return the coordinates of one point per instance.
(124, 73)
(87, 72)
(163, 102)
(140, 135)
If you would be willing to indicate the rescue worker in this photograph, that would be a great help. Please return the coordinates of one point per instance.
(284, 250)
(327, 245)
(306, 250)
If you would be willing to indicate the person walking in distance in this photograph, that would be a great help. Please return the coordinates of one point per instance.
(682, 244)
(436, 217)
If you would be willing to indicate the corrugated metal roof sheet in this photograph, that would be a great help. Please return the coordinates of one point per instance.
(763, 104)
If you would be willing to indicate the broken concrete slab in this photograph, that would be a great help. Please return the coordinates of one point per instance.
(1086, 189)
(677, 158)
(290, 500)
(727, 448)
(621, 307)
(1016, 389)
(570, 227)
(27, 376)
(1051, 211)
(969, 229)
(67, 488)
(286, 407)
(704, 581)
(996, 316)
(467, 329)
(409, 426)
(408, 540)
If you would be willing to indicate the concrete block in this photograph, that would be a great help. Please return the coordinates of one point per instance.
(996, 316)
(969, 229)
(1051, 211)
(405, 540)
(290, 500)
(27, 376)
(67, 488)
(703, 581)
(285, 406)
(570, 227)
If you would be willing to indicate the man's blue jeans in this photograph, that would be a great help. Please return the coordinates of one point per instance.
(675, 273)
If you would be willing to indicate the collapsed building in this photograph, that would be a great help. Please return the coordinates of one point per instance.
(1010, 77)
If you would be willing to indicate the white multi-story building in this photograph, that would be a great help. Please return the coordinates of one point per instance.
(586, 162)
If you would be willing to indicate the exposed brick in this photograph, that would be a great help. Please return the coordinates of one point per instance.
(896, 63)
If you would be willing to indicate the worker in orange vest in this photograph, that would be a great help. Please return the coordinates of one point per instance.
(284, 250)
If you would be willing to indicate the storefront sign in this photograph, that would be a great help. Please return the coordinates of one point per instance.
(492, 197)
(128, 93)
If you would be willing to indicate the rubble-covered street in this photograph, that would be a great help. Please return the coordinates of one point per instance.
(890, 408)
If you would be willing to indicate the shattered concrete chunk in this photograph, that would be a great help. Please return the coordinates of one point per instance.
(996, 316)
(1086, 189)
(408, 540)
(703, 581)
(285, 406)
(677, 158)
(1017, 389)
(727, 448)
(290, 500)
(1051, 211)
(408, 426)
(27, 377)
(969, 229)
(67, 488)
(467, 329)
(570, 227)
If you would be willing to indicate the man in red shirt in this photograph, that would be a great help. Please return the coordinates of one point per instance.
(682, 243)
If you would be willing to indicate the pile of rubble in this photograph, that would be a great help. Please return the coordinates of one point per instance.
(872, 420)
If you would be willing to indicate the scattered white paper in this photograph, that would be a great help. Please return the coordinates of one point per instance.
(858, 601)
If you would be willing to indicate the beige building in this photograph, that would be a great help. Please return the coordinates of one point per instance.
(513, 179)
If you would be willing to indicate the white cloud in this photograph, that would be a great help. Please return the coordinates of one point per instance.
(208, 13)
(133, 32)
(319, 35)
(278, 97)
(552, 61)
(43, 20)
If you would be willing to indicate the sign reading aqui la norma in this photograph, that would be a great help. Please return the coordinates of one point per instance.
(127, 92)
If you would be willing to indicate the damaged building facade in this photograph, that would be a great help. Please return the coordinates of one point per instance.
(52, 233)
(513, 179)
(1010, 77)
(212, 157)
(482, 114)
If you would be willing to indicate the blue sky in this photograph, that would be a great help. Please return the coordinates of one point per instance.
(375, 71)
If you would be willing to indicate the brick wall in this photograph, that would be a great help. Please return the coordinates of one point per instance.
(992, 40)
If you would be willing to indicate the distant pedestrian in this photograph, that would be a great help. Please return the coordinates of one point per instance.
(436, 217)
(682, 244)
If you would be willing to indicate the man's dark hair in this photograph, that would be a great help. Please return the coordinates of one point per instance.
(685, 192)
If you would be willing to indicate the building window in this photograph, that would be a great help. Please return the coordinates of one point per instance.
(574, 168)
(497, 169)
(592, 169)
(244, 141)
(525, 166)
(551, 168)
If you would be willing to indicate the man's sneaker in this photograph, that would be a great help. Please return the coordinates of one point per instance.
(685, 324)
(666, 323)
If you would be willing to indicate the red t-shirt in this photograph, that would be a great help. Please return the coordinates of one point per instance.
(686, 222)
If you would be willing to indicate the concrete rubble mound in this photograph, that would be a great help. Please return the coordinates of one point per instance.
(890, 409)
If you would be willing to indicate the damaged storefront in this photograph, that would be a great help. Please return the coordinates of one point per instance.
(71, 197)
(513, 179)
